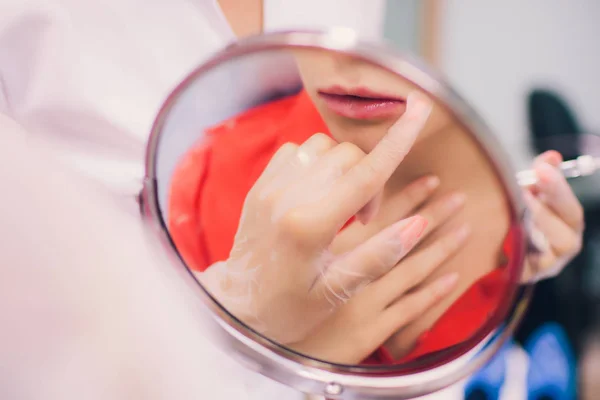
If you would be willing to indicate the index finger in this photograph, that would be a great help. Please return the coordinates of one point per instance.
(367, 178)
(551, 157)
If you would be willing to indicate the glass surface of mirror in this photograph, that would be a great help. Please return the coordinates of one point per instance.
(338, 210)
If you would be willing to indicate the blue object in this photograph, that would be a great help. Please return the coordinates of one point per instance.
(552, 370)
(487, 382)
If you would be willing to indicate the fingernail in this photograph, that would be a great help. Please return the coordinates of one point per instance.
(553, 156)
(546, 173)
(456, 200)
(432, 182)
(412, 232)
(447, 282)
(363, 218)
(417, 106)
(462, 233)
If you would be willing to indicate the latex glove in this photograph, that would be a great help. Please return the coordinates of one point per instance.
(387, 305)
(281, 278)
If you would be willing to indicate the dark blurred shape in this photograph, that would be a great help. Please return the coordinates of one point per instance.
(551, 121)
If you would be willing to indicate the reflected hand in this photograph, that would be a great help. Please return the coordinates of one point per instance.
(557, 215)
(387, 305)
(281, 277)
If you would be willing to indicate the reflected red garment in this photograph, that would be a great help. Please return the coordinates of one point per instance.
(228, 162)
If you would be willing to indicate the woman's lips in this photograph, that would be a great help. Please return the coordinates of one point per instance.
(361, 103)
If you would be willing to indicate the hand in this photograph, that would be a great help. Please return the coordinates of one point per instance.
(385, 306)
(413, 199)
(557, 216)
(281, 278)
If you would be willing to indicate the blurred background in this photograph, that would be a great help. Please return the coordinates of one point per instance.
(532, 70)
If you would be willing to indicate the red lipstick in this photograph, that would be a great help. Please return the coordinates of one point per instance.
(362, 103)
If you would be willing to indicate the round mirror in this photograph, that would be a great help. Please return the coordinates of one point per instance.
(354, 227)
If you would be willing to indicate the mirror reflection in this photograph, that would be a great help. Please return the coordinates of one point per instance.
(338, 210)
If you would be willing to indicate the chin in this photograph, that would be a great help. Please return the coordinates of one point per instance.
(367, 145)
(363, 136)
(361, 140)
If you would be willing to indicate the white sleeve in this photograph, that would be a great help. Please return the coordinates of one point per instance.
(3, 100)
(88, 308)
(65, 82)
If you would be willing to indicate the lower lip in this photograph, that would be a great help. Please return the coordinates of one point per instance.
(362, 107)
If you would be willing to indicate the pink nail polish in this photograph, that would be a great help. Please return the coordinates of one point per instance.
(412, 232)
(362, 218)
(446, 282)
(432, 182)
(456, 200)
(462, 233)
(418, 107)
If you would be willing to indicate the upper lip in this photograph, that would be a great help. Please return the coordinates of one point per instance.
(359, 92)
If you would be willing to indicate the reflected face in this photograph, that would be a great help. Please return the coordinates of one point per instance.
(358, 100)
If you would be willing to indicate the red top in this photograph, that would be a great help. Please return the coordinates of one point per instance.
(227, 163)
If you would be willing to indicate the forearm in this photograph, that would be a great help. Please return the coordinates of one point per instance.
(234, 292)
(89, 309)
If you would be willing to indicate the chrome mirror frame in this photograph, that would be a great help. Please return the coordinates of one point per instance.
(274, 361)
